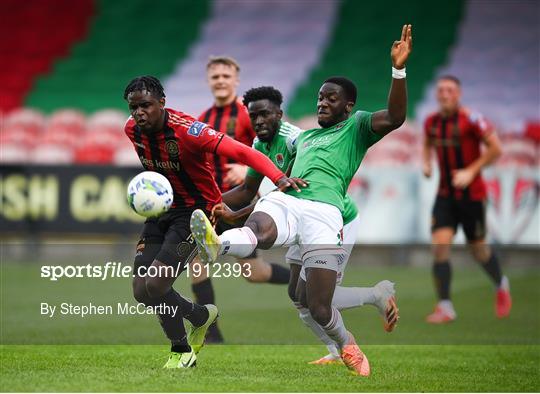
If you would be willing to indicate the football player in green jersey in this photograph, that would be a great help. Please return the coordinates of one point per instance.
(277, 140)
(326, 159)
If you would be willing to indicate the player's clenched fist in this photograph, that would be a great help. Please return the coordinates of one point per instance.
(401, 49)
(222, 212)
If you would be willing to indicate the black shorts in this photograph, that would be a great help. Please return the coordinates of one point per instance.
(222, 226)
(167, 239)
(449, 212)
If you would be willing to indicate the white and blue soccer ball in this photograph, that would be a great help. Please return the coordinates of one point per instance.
(150, 194)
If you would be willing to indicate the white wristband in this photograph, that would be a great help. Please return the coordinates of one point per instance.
(398, 74)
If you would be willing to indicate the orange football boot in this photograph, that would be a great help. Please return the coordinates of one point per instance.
(354, 358)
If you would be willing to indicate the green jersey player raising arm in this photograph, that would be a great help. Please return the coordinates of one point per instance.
(277, 140)
(326, 158)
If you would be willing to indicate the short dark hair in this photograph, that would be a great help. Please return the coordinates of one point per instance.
(347, 85)
(450, 77)
(226, 60)
(263, 93)
(145, 82)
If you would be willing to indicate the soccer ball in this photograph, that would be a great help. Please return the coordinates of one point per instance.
(150, 194)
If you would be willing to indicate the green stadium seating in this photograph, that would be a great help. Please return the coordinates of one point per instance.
(120, 45)
(360, 50)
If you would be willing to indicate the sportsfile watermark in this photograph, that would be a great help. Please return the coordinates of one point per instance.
(115, 270)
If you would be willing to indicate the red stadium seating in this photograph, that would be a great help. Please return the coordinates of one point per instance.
(27, 52)
(52, 153)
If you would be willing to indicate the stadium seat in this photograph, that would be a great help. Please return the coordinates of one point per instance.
(18, 135)
(67, 119)
(28, 52)
(96, 147)
(126, 156)
(51, 153)
(11, 153)
(29, 119)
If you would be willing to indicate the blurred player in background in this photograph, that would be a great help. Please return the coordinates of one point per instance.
(229, 116)
(327, 158)
(176, 145)
(277, 140)
(456, 134)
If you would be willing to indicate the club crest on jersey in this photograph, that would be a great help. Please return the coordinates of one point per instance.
(172, 147)
(280, 160)
(196, 128)
(231, 126)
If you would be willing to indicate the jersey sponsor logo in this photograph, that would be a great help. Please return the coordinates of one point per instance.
(172, 147)
(280, 160)
(318, 141)
(196, 128)
(161, 165)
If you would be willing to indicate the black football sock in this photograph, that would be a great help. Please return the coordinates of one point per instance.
(493, 269)
(180, 347)
(195, 313)
(172, 323)
(442, 275)
(280, 274)
(204, 292)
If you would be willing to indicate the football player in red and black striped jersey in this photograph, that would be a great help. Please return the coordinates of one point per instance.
(456, 134)
(177, 145)
(229, 116)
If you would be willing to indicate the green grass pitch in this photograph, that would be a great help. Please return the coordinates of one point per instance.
(267, 346)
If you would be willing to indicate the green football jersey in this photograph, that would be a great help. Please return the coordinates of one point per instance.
(349, 210)
(280, 150)
(328, 158)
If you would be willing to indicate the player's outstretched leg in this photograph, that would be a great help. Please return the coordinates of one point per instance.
(382, 296)
(260, 231)
(207, 240)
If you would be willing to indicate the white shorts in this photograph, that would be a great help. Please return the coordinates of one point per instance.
(350, 230)
(315, 226)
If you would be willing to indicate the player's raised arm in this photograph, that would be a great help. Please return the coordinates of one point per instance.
(263, 165)
(391, 118)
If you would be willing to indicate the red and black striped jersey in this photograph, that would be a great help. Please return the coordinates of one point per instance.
(457, 140)
(233, 121)
(180, 152)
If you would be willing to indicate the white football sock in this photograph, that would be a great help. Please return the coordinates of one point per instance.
(351, 297)
(448, 307)
(505, 284)
(239, 242)
(305, 316)
(336, 330)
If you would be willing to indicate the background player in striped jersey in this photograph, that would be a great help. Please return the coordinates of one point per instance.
(276, 139)
(176, 145)
(456, 134)
(327, 158)
(229, 116)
